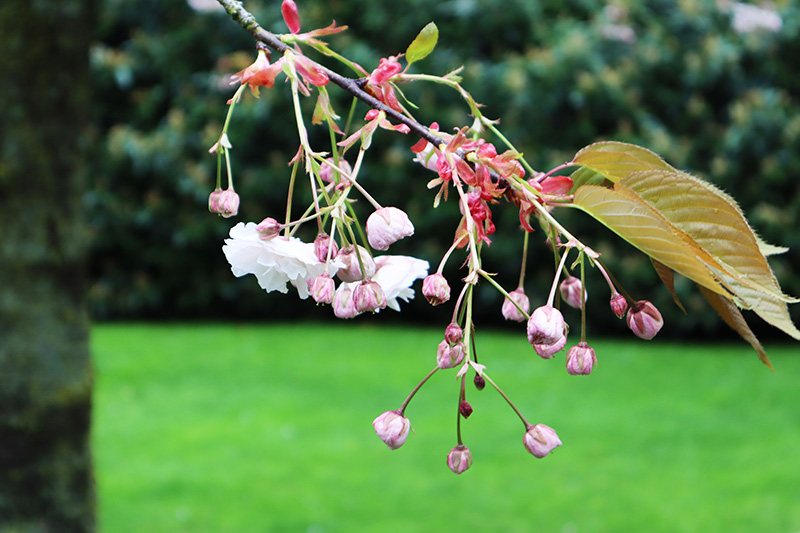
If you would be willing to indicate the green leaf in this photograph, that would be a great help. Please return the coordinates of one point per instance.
(615, 160)
(693, 229)
(731, 315)
(423, 44)
(630, 217)
(712, 220)
(668, 279)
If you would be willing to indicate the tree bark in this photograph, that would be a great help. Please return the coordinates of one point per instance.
(46, 481)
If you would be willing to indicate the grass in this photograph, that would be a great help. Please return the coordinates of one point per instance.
(267, 428)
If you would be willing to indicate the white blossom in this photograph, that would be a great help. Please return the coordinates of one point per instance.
(395, 274)
(274, 262)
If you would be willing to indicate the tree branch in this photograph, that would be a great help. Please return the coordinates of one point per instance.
(246, 20)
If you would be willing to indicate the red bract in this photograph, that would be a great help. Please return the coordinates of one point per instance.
(482, 217)
(290, 16)
(260, 74)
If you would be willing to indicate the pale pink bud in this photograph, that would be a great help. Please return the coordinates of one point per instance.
(213, 200)
(644, 319)
(546, 326)
(435, 289)
(369, 296)
(351, 271)
(459, 459)
(322, 289)
(581, 359)
(541, 440)
(227, 203)
(343, 304)
(323, 244)
(268, 228)
(290, 16)
(453, 333)
(392, 428)
(329, 174)
(449, 356)
(571, 292)
(546, 351)
(386, 226)
(619, 304)
(510, 311)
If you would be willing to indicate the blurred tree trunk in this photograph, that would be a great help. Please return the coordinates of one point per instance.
(46, 482)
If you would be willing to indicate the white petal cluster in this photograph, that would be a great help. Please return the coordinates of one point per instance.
(274, 262)
(395, 274)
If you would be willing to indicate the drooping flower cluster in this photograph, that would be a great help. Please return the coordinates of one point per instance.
(340, 267)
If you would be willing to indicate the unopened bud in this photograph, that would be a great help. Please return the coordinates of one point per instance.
(581, 359)
(479, 381)
(324, 246)
(547, 351)
(546, 326)
(541, 440)
(386, 226)
(511, 311)
(436, 289)
(369, 296)
(644, 319)
(465, 409)
(449, 356)
(290, 16)
(459, 459)
(226, 203)
(213, 200)
(453, 333)
(571, 292)
(322, 289)
(343, 304)
(392, 428)
(619, 304)
(351, 271)
(268, 228)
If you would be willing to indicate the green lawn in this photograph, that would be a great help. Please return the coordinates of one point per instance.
(217, 428)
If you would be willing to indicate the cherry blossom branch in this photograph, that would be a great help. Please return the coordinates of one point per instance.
(352, 86)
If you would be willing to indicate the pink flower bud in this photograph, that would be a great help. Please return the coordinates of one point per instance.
(435, 289)
(546, 351)
(453, 333)
(323, 244)
(328, 174)
(369, 296)
(351, 271)
(619, 304)
(459, 459)
(290, 16)
(571, 292)
(268, 228)
(510, 311)
(541, 440)
(213, 200)
(322, 289)
(644, 319)
(392, 428)
(449, 356)
(386, 226)
(581, 359)
(225, 203)
(546, 326)
(465, 409)
(343, 304)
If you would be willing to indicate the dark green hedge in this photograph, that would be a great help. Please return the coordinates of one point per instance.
(670, 75)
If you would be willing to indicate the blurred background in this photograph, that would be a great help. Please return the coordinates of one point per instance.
(175, 414)
(711, 86)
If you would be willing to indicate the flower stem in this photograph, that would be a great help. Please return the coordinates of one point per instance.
(413, 392)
